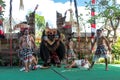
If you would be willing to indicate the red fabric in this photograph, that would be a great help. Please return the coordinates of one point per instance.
(93, 1)
(1, 32)
(92, 13)
(67, 26)
(92, 37)
(93, 25)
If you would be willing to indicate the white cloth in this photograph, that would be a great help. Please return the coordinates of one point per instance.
(82, 63)
(37, 66)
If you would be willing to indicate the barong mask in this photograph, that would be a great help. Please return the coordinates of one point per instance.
(51, 34)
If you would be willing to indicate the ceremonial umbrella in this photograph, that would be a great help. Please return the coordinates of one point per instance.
(21, 26)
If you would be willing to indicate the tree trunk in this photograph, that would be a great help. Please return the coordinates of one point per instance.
(115, 35)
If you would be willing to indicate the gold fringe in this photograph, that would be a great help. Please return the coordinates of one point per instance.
(21, 5)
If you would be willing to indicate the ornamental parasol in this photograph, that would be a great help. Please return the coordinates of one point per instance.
(21, 26)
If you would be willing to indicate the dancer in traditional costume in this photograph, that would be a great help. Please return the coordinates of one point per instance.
(52, 50)
(101, 51)
(26, 44)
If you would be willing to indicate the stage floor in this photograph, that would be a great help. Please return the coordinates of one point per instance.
(97, 73)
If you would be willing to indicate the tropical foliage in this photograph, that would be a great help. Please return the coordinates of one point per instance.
(2, 6)
(40, 26)
(40, 21)
(107, 13)
(116, 48)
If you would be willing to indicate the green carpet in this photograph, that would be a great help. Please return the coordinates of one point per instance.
(97, 73)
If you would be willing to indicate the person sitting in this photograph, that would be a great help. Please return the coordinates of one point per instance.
(34, 65)
(101, 51)
(70, 50)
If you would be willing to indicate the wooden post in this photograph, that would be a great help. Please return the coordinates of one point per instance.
(10, 30)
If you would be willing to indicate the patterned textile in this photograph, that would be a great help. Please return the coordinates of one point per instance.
(25, 54)
(55, 57)
(100, 52)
